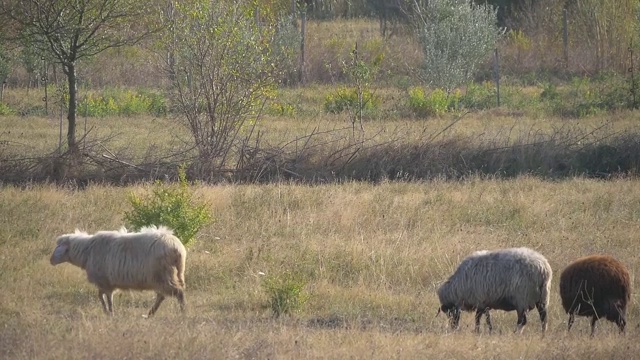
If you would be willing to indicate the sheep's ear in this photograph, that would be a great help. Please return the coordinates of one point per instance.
(59, 253)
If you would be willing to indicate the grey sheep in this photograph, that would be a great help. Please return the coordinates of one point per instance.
(505, 279)
(152, 259)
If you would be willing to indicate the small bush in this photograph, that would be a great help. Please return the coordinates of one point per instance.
(584, 97)
(122, 103)
(280, 109)
(6, 110)
(479, 96)
(347, 99)
(169, 205)
(549, 92)
(438, 102)
(286, 293)
(134, 104)
(157, 103)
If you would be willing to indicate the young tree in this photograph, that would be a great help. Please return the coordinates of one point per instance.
(71, 30)
(223, 70)
(456, 36)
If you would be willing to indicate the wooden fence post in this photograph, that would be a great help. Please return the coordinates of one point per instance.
(497, 75)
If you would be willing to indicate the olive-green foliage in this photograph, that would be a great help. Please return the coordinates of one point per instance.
(114, 102)
(585, 97)
(439, 101)
(456, 36)
(347, 99)
(170, 205)
(6, 110)
(286, 292)
(275, 108)
(479, 96)
(435, 103)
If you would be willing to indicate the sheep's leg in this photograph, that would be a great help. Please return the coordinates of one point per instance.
(542, 310)
(180, 296)
(455, 318)
(489, 324)
(159, 300)
(593, 325)
(101, 294)
(572, 318)
(621, 322)
(109, 296)
(522, 320)
(479, 313)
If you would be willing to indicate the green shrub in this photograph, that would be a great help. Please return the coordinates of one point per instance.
(97, 106)
(549, 92)
(169, 205)
(134, 104)
(158, 104)
(280, 109)
(479, 96)
(286, 293)
(347, 99)
(6, 110)
(436, 103)
(584, 96)
(127, 103)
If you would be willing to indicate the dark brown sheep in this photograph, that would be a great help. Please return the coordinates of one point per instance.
(598, 286)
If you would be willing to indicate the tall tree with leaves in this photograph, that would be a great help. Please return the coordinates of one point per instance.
(72, 30)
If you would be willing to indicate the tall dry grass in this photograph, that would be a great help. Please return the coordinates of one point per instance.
(372, 254)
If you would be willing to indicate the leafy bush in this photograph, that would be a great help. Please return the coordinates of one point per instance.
(347, 99)
(585, 97)
(122, 103)
(6, 110)
(436, 103)
(549, 92)
(286, 293)
(157, 103)
(280, 109)
(169, 205)
(479, 96)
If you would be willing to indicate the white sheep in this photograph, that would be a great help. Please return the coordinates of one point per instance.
(152, 259)
(506, 279)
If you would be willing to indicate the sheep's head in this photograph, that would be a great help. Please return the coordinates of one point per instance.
(61, 252)
(453, 313)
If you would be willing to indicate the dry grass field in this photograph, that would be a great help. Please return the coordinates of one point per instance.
(372, 255)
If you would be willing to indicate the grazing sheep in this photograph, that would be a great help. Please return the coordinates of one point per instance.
(597, 286)
(505, 279)
(152, 259)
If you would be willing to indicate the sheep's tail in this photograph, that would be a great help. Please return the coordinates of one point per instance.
(545, 290)
(180, 265)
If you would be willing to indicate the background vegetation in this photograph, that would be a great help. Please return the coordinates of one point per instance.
(363, 62)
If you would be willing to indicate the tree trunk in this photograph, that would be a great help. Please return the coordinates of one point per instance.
(70, 71)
